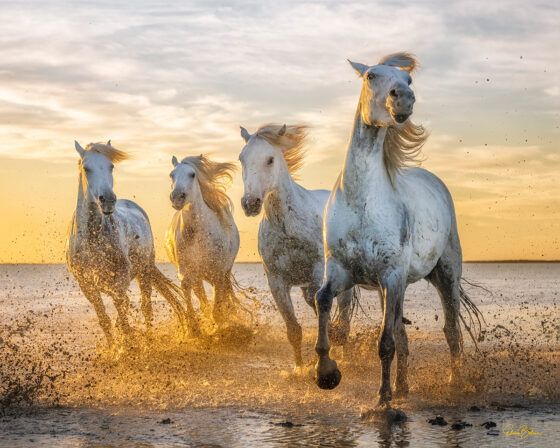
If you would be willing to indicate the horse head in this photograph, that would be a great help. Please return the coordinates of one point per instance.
(386, 97)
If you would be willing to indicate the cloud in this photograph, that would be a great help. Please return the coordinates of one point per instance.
(163, 78)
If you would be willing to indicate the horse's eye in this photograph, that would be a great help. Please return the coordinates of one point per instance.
(270, 161)
(112, 166)
(409, 81)
(192, 175)
(370, 75)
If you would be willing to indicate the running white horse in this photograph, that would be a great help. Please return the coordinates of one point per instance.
(290, 241)
(110, 243)
(387, 226)
(202, 240)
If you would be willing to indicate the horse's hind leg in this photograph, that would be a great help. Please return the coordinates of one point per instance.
(198, 288)
(281, 293)
(446, 277)
(145, 286)
(94, 297)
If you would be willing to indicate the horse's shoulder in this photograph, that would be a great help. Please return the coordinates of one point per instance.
(128, 205)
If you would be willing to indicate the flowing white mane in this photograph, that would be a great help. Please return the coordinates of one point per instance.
(113, 154)
(214, 178)
(291, 142)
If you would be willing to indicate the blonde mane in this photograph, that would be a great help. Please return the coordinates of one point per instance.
(403, 147)
(291, 142)
(214, 178)
(113, 154)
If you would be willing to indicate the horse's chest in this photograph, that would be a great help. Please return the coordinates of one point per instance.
(290, 258)
(367, 240)
(99, 261)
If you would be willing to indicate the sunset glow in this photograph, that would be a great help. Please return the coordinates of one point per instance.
(162, 82)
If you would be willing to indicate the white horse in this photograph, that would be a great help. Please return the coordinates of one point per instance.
(290, 241)
(202, 240)
(110, 243)
(387, 226)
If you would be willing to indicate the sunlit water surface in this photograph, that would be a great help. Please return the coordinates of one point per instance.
(61, 387)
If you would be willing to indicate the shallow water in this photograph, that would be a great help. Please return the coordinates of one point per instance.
(243, 393)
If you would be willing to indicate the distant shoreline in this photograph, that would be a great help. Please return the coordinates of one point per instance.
(258, 262)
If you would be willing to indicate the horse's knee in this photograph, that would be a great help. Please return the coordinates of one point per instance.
(386, 346)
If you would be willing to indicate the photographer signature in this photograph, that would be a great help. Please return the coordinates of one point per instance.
(523, 431)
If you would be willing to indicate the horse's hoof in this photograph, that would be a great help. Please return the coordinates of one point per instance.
(328, 380)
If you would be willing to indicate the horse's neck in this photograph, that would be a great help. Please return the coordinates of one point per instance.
(88, 218)
(286, 202)
(196, 212)
(364, 172)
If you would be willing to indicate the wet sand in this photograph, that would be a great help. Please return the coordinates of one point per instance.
(68, 390)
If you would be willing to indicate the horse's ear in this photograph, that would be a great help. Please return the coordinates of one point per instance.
(404, 61)
(79, 149)
(174, 161)
(282, 130)
(360, 69)
(109, 142)
(245, 134)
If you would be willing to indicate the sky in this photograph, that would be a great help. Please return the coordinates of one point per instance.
(179, 78)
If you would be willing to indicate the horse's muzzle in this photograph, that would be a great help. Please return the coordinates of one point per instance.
(178, 200)
(251, 206)
(107, 203)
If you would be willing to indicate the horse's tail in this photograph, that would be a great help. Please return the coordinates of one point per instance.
(473, 320)
(172, 293)
(237, 290)
(355, 303)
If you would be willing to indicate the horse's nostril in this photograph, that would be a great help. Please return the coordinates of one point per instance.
(393, 93)
(101, 198)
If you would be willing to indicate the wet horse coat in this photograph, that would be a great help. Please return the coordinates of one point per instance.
(290, 241)
(202, 240)
(387, 226)
(110, 243)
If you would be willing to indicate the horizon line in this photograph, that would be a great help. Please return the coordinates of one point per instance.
(260, 262)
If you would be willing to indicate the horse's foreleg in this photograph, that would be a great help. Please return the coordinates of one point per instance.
(401, 341)
(94, 297)
(122, 303)
(281, 293)
(336, 281)
(392, 290)
(198, 288)
(223, 290)
(186, 286)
